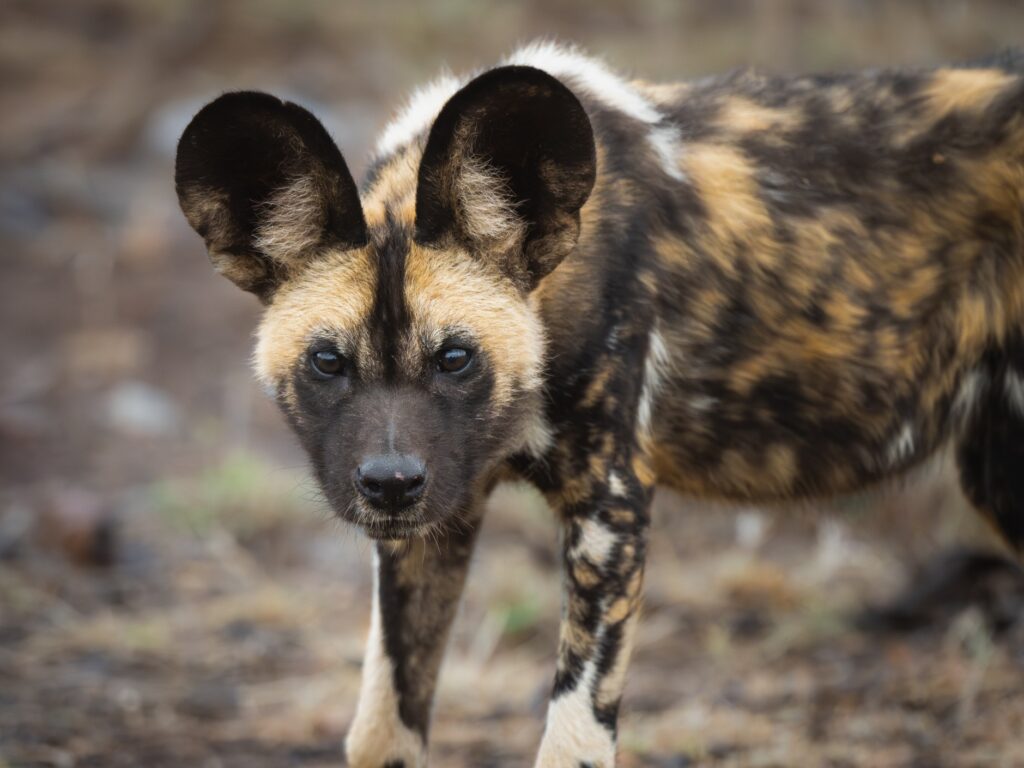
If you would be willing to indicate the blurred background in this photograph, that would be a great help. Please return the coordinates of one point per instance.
(174, 593)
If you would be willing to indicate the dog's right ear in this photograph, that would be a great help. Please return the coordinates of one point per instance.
(509, 163)
(265, 186)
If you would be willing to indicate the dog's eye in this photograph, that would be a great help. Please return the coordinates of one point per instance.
(326, 363)
(453, 359)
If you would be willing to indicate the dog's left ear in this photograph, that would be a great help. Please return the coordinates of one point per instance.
(265, 186)
(507, 166)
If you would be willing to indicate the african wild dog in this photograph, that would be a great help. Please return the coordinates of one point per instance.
(744, 287)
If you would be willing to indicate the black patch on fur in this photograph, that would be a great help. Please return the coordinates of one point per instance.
(389, 318)
(990, 453)
(394, 600)
(567, 676)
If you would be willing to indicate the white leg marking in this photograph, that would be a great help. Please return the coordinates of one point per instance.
(595, 543)
(378, 735)
(572, 735)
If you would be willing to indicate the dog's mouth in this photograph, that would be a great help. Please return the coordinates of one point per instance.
(380, 525)
(416, 522)
(385, 530)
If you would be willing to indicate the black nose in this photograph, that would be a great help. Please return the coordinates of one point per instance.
(391, 482)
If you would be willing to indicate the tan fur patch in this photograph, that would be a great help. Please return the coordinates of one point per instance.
(450, 290)
(742, 115)
(333, 294)
(394, 189)
(585, 576)
(965, 89)
(662, 93)
(644, 471)
(610, 687)
(725, 179)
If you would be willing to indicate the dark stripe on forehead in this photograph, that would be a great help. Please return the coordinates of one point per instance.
(389, 317)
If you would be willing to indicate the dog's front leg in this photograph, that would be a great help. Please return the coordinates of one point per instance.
(605, 529)
(416, 593)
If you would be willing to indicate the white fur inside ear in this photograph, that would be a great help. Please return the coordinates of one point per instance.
(486, 208)
(291, 221)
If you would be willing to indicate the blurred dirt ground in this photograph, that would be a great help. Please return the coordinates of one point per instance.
(174, 593)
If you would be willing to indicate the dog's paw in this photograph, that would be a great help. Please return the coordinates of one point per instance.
(369, 750)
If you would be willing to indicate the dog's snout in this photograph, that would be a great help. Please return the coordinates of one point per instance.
(392, 481)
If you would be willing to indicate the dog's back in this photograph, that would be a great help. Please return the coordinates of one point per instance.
(828, 270)
(856, 252)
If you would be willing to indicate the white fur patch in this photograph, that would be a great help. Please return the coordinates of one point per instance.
(378, 735)
(573, 735)
(418, 114)
(615, 484)
(655, 368)
(664, 140)
(701, 403)
(590, 74)
(537, 437)
(596, 542)
(1013, 385)
(901, 447)
(972, 389)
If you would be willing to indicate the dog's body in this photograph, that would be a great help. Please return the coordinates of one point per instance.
(744, 288)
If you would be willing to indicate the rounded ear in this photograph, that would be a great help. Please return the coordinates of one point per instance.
(267, 189)
(508, 164)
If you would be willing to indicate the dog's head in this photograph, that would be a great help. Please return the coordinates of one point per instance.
(399, 334)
